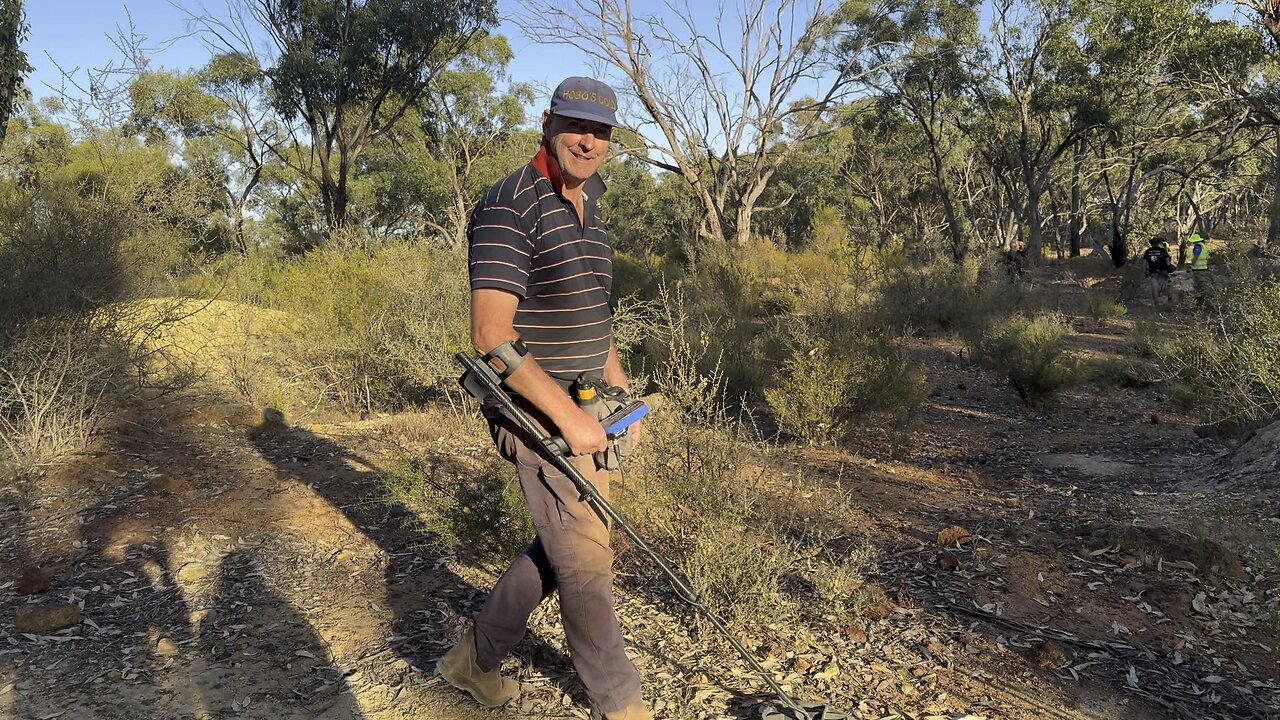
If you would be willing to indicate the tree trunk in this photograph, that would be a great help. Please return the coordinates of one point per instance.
(954, 229)
(1073, 231)
(1119, 244)
(335, 204)
(1273, 227)
(1035, 233)
(742, 232)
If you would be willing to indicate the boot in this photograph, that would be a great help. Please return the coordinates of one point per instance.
(460, 669)
(636, 711)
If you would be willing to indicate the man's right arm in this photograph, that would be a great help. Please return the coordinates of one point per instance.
(492, 315)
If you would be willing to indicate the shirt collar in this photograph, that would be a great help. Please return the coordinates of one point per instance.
(545, 162)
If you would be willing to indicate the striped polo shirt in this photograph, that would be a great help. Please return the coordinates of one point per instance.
(526, 238)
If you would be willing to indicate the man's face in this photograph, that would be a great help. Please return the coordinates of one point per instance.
(579, 145)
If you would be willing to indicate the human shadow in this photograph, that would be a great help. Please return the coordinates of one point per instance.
(259, 638)
(428, 601)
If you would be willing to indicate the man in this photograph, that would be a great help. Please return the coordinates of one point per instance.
(1199, 265)
(541, 277)
(1157, 267)
(1013, 260)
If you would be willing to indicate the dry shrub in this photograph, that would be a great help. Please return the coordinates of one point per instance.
(52, 382)
(840, 584)
(686, 489)
(1228, 364)
(738, 574)
(936, 296)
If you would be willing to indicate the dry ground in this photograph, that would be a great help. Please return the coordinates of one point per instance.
(226, 563)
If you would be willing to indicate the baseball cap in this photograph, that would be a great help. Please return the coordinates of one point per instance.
(586, 99)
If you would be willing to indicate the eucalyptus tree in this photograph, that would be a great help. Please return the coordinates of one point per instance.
(865, 165)
(219, 120)
(1031, 96)
(13, 61)
(467, 133)
(343, 73)
(928, 87)
(1164, 71)
(719, 97)
(1267, 104)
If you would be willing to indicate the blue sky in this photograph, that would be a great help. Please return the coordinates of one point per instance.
(75, 34)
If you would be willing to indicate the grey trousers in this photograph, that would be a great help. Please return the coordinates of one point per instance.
(571, 554)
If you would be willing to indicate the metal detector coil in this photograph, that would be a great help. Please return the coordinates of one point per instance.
(481, 382)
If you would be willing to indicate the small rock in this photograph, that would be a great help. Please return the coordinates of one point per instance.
(947, 561)
(154, 571)
(166, 647)
(856, 634)
(34, 581)
(954, 535)
(1155, 419)
(274, 419)
(1209, 432)
(115, 676)
(44, 619)
(1048, 655)
(344, 556)
(203, 618)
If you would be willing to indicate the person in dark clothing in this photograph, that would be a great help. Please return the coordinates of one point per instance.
(1013, 260)
(1157, 267)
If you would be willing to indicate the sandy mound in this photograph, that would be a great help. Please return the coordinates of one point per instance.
(232, 345)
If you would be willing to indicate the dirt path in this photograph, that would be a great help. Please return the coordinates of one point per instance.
(224, 564)
(225, 567)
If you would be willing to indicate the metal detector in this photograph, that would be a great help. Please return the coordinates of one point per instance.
(481, 382)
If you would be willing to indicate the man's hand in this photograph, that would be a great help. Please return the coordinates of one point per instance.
(583, 433)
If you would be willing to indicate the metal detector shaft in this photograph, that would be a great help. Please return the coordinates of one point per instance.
(479, 372)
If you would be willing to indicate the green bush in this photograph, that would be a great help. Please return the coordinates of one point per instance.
(1030, 352)
(937, 296)
(1229, 362)
(1121, 372)
(1105, 309)
(481, 513)
(823, 386)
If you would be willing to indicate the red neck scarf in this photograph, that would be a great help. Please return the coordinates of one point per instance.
(546, 163)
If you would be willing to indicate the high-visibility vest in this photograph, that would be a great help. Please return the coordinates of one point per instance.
(1200, 255)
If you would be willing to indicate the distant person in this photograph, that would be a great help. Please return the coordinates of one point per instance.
(1158, 267)
(1013, 260)
(541, 274)
(1199, 264)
